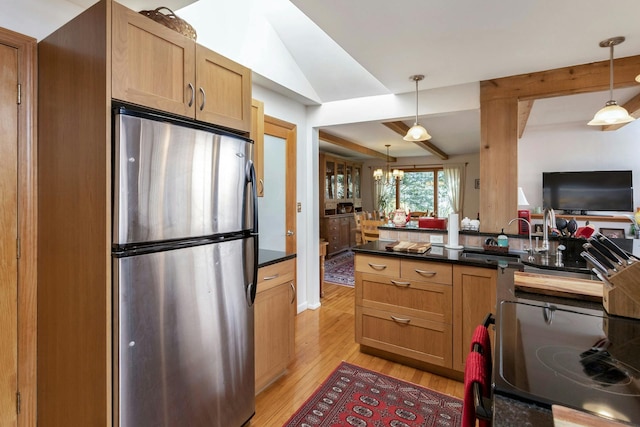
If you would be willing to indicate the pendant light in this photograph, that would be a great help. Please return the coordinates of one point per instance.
(611, 113)
(417, 132)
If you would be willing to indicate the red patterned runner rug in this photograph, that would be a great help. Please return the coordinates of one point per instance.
(354, 396)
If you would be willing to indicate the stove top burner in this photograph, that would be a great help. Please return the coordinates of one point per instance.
(579, 358)
(594, 368)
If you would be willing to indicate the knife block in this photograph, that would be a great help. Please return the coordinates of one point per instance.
(623, 299)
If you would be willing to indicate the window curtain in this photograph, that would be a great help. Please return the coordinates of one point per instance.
(454, 177)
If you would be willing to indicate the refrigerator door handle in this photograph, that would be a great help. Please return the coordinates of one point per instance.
(253, 286)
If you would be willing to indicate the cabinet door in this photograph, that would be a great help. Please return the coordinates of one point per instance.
(223, 90)
(274, 316)
(345, 232)
(329, 179)
(349, 183)
(257, 134)
(474, 295)
(356, 181)
(340, 180)
(151, 64)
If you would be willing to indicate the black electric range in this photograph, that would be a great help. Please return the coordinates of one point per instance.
(576, 357)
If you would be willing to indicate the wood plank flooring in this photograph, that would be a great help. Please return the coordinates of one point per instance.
(324, 338)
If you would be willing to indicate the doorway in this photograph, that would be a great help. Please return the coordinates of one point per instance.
(18, 224)
(277, 207)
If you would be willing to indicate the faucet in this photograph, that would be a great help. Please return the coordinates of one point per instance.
(548, 215)
(530, 248)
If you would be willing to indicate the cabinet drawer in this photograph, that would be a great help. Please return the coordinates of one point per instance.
(385, 266)
(275, 274)
(429, 301)
(407, 336)
(434, 272)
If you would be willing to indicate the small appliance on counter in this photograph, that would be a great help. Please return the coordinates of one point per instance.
(434, 223)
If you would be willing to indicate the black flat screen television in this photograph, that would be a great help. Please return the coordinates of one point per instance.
(588, 191)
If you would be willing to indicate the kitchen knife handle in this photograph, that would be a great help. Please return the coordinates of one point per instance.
(603, 260)
(615, 248)
(604, 250)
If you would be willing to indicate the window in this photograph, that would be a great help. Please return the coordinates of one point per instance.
(421, 190)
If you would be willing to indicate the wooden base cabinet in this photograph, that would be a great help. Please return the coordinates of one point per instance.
(474, 295)
(275, 310)
(421, 311)
(338, 232)
(404, 308)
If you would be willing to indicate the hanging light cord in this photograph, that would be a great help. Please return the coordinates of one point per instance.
(416, 80)
(611, 44)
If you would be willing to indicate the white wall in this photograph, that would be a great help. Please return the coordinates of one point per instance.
(577, 147)
(307, 223)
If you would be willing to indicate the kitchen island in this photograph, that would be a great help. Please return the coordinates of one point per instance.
(508, 410)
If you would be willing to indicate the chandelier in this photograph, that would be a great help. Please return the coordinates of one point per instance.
(388, 176)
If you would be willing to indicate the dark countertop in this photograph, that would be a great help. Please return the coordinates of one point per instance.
(435, 253)
(268, 257)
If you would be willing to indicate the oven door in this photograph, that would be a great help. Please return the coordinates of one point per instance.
(580, 358)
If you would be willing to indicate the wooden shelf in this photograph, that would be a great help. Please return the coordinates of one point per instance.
(595, 218)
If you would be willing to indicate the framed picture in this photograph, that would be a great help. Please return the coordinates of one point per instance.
(537, 228)
(476, 184)
(613, 233)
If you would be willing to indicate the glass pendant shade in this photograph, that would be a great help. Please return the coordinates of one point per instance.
(417, 133)
(611, 114)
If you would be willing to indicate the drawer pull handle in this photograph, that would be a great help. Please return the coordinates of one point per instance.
(377, 266)
(426, 273)
(400, 320)
(275, 276)
(401, 284)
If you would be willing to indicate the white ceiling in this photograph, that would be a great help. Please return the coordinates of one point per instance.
(358, 48)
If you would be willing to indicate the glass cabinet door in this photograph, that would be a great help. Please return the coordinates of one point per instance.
(330, 179)
(356, 182)
(349, 181)
(340, 180)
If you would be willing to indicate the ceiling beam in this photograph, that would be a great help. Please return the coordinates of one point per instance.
(633, 107)
(524, 109)
(401, 129)
(350, 145)
(571, 80)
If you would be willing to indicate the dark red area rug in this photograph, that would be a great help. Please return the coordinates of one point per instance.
(354, 396)
(339, 269)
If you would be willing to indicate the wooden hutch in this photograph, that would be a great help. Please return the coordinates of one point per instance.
(340, 197)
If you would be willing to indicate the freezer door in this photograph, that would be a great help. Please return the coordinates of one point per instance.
(184, 341)
(176, 182)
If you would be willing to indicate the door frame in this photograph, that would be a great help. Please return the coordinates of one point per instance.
(288, 132)
(27, 222)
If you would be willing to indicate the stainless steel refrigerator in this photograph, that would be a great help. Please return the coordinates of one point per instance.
(185, 242)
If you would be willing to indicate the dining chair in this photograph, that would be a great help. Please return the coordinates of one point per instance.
(358, 216)
(369, 228)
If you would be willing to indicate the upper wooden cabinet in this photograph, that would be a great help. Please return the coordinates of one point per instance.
(159, 68)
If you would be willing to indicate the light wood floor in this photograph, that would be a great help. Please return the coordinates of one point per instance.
(324, 338)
